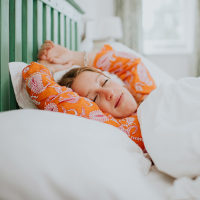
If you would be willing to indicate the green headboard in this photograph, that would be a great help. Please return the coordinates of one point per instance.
(24, 25)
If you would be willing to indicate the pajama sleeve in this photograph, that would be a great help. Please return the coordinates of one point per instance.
(128, 68)
(48, 95)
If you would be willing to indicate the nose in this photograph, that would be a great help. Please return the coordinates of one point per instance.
(107, 93)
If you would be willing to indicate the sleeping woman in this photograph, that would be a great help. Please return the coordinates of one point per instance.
(86, 91)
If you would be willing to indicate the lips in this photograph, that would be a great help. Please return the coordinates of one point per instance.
(118, 100)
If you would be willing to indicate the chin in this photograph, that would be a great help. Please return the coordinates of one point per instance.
(131, 111)
(128, 114)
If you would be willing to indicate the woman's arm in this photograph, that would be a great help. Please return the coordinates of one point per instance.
(128, 68)
(48, 95)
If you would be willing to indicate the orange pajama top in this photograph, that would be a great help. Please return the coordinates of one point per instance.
(48, 95)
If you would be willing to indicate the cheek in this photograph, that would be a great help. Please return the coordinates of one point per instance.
(130, 99)
(103, 105)
(117, 88)
(78, 89)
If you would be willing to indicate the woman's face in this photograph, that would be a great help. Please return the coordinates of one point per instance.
(109, 95)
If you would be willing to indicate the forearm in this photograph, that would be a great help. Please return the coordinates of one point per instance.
(84, 59)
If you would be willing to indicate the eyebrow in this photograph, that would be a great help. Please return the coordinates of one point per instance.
(95, 81)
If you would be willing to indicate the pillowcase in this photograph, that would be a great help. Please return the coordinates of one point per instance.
(22, 97)
(56, 159)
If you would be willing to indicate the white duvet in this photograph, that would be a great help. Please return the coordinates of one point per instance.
(170, 124)
(55, 156)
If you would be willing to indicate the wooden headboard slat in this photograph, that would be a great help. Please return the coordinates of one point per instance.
(35, 30)
(59, 26)
(15, 47)
(4, 56)
(76, 41)
(55, 25)
(27, 31)
(62, 29)
(65, 31)
(70, 33)
(48, 23)
(24, 25)
(18, 30)
(39, 24)
(44, 22)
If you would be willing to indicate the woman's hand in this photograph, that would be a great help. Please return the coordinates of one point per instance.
(57, 54)
(62, 57)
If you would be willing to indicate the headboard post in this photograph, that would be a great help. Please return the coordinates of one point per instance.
(4, 56)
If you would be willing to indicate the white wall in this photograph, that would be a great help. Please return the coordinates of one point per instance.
(177, 66)
(97, 8)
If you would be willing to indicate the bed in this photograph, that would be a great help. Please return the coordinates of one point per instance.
(48, 155)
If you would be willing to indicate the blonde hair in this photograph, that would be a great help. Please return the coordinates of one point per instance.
(68, 78)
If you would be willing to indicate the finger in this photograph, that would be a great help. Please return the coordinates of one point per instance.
(49, 42)
(42, 51)
(51, 53)
(57, 61)
(50, 60)
(68, 65)
(42, 62)
(42, 55)
(46, 41)
(47, 46)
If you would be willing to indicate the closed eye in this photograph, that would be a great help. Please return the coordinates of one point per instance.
(101, 86)
(105, 82)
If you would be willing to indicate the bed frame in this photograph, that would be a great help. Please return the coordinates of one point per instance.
(24, 25)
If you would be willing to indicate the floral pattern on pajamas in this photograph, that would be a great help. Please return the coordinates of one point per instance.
(48, 95)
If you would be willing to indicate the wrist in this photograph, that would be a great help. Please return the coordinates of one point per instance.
(78, 58)
(85, 59)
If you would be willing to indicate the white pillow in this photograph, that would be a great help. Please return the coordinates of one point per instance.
(45, 155)
(22, 97)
